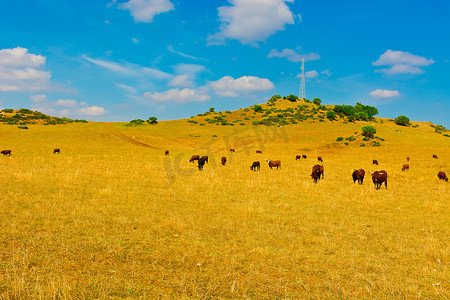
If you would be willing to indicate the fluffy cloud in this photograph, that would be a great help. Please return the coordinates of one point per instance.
(229, 87)
(181, 80)
(65, 108)
(251, 21)
(311, 74)
(401, 62)
(93, 110)
(22, 71)
(145, 10)
(179, 96)
(384, 94)
(293, 55)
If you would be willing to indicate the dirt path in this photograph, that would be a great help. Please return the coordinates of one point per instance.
(110, 128)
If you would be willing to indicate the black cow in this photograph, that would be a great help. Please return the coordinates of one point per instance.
(358, 175)
(56, 150)
(6, 152)
(201, 163)
(255, 165)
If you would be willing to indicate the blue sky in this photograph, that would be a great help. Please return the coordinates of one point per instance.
(109, 60)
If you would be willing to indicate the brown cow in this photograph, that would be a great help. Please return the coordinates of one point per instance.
(166, 152)
(274, 163)
(205, 158)
(6, 152)
(378, 177)
(201, 163)
(319, 158)
(358, 175)
(232, 150)
(407, 159)
(375, 162)
(435, 156)
(303, 156)
(297, 157)
(317, 170)
(224, 160)
(405, 167)
(258, 151)
(255, 165)
(442, 175)
(194, 158)
(57, 150)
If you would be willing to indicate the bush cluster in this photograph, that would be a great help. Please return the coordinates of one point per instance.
(358, 112)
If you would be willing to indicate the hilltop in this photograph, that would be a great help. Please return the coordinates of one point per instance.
(25, 116)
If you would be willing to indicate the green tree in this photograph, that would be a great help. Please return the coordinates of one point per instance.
(402, 120)
(368, 131)
(317, 101)
(257, 108)
(292, 98)
(331, 115)
(211, 109)
(152, 120)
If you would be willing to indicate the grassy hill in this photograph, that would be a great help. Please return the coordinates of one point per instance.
(112, 216)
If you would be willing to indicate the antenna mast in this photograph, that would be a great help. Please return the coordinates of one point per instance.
(302, 92)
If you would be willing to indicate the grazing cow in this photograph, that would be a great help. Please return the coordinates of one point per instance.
(194, 158)
(435, 156)
(166, 152)
(405, 167)
(297, 157)
(442, 175)
(232, 150)
(255, 165)
(201, 163)
(224, 160)
(205, 158)
(407, 159)
(319, 158)
(274, 163)
(57, 150)
(258, 151)
(6, 152)
(303, 156)
(317, 170)
(358, 175)
(375, 162)
(378, 177)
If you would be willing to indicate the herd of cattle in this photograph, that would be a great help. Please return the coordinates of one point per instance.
(378, 177)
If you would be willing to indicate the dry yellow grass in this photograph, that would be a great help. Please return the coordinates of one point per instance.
(111, 218)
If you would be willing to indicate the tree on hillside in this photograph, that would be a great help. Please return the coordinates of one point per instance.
(331, 115)
(317, 101)
(257, 108)
(152, 120)
(211, 109)
(402, 120)
(368, 131)
(292, 98)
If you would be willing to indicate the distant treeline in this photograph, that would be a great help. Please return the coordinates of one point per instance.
(25, 116)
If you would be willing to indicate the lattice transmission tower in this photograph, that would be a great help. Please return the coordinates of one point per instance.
(302, 92)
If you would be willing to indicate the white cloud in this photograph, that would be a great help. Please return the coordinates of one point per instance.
(251, 21)
(22, 71)
(38, 98)
(179, 96)
(172, 50)
(229, 87)
(191, 69)
(128, 69)
(181, 80)
(94, 111)
(65, 108)
(135, 40)
(66, 103)
(145, 10)
(129, 89)
(311, 74)
(401, 62)
(384, 94)
(293, 55)
(326, 73)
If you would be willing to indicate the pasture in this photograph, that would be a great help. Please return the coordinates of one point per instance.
(112, 216)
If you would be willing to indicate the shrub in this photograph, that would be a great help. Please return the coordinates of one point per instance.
(8, 110)
(192, 121)
(346, 143)
(132, 123)
(366, 139)
(257, 108)
(292, 98)
(214, 135)
(211, 109)
(255, 123)
(274, 98)
(152, 120)
(350, 138)
(376, 144)
(339, 139)
(331, 115)
(317, 101)
(22, 127)
(368, 131)
(362, 145)
(80, 121)
(242, 124)
(25, 111)
(402, 121)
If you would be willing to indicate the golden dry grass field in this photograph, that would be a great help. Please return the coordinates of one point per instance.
(109, 217)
